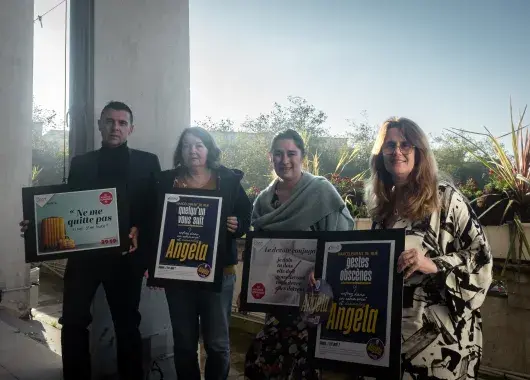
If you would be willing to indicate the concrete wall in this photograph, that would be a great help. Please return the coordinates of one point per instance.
(141, 52)
(141, 57)
(16, 88)
(506, 331)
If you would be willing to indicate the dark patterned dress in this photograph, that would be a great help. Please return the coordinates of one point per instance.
(442, 325)
(279, 351)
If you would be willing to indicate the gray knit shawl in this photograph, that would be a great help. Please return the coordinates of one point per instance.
(313, 199)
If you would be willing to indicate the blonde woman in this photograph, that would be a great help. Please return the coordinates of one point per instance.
(447, 263)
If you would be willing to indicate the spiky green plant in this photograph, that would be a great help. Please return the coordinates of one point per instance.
(515, 173)
(311, 160)
(35, 171)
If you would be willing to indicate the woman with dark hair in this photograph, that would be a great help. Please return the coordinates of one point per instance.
(295, 201)
(447, 261)
(197, 166)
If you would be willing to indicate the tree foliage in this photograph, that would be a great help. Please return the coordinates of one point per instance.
(223, 125)
(298, 114)
(47, 155)
(247, 152)
(247, 149)
(362, 136)
(246, 146)
(455, 160)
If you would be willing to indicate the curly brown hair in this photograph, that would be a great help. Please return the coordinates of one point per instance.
(421, 189)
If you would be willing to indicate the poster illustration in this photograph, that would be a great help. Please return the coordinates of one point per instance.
(76, 221)
(362, 331)
(316, 303)
(189, 233)
(276, 269)
(280, 270)
(358, 325)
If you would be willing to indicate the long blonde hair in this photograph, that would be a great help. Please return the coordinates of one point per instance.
(421, 190)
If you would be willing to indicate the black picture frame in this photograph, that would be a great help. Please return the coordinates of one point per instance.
(245, 303)
(216, 284)
(393, 370)
(30, 236)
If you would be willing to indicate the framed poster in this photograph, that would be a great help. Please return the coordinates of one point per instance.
(192, 226)
(276, 269)
(363, 329)
(65, 221)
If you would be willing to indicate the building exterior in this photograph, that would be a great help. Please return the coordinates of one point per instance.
(136, 52)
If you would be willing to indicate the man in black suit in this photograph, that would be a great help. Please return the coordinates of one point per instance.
(121, 276)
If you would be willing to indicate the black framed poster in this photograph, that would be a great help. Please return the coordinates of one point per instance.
(192, 226)
(276, 269)
(67, 221)
(363, 329)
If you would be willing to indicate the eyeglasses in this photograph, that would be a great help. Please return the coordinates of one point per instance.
(390, 147)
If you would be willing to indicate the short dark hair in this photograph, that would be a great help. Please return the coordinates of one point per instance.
(214, 153)
(117, 106)
(289, 134)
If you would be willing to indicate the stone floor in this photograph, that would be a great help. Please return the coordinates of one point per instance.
(45, 330)
(49, 310)
(24, 351)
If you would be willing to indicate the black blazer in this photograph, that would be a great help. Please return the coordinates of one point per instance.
(140, 180)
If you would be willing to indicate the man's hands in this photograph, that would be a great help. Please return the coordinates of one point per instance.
(133, 235)
(23, 227)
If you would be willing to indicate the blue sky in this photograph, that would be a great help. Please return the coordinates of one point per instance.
(441, 63)
(48, 56)
(449, 63)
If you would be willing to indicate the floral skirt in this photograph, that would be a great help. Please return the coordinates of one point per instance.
(279, 352)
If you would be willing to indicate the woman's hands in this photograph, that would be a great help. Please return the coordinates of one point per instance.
(146, 275)
(232, 223)
(312, 280)
(238, 305)
(412, 261)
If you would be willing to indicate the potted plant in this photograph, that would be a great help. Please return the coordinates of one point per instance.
(495, 201)
(510, 182)
(351, 190)
(470, 189)
(360, 214)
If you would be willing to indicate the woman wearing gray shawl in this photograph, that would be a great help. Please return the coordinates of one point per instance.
(295, 201)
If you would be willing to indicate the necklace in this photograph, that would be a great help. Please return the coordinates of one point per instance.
(189, 181)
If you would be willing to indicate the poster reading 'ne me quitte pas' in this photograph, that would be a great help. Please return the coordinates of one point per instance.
(76, 221)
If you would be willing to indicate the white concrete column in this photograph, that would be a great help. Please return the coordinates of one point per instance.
(16, 89)
(141, 50)
(141, 57)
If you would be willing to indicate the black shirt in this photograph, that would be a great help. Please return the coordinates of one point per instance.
(113, 163)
